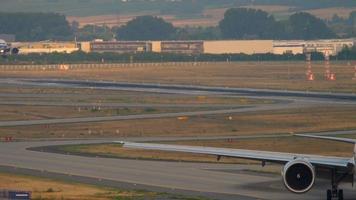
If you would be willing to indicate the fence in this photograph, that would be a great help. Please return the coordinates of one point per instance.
(64, 67)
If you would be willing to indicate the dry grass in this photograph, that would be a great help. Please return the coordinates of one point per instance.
(210, 17)
(50, 189)
(272, 9)
(18, 112)
(114, 20)
(282, 144)
(328, 13)
(268, 122)
(274, 75)
(96, 98)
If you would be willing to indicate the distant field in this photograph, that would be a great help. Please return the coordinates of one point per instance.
(328, 13)
(114, 13)
(209, 17)
(119, 20)
(79, 7)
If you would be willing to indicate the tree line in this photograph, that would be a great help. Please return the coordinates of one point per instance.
(238, 23)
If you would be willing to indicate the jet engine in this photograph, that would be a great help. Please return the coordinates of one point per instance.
(298, 176)
(15, 51)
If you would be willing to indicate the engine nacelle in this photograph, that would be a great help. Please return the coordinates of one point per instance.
(15, 51)
(298, 176)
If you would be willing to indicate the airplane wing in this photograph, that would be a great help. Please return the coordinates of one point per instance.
(265, 156)
(346, 140)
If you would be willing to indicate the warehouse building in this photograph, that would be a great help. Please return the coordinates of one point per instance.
(330, 47)
(47, 47)
(238, 46)
(288, 47)
(182, 47)
(121, 46)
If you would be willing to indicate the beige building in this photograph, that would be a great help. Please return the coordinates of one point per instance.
(156, 46)
(288, 47)
(182, 47)
(238, 46)
(85, 46)
(330, 47)
(47, 47)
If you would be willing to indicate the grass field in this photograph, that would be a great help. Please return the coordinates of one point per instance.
(57, 190)
(96, 97)
(273, 75)
(50, 189)
(8, 113)
(312, 119)
(279, 144)
(97, 103)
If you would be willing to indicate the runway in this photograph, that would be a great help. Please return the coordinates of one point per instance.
(221, 181)
(225, 181)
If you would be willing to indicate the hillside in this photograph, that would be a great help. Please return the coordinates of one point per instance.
(182, 8)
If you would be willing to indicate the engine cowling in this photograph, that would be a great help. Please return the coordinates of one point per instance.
(15, 51)
(298, 176)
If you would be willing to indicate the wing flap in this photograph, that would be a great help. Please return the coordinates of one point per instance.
(267, 156)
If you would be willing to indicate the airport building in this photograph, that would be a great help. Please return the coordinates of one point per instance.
(121, 46)
(331, 47)
(182, 47)
(47, 47)
(238, 46)
(288, 47)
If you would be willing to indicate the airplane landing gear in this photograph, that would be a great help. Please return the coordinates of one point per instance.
(336, 193)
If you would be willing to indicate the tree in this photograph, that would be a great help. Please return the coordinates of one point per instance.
(35, 26)
(249, 23)
(146, 28)
(197, 33)
(306, 26)
(92, 32)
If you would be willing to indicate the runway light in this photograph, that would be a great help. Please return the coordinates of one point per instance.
(310, 77)
(182, 118)
(332, 77)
